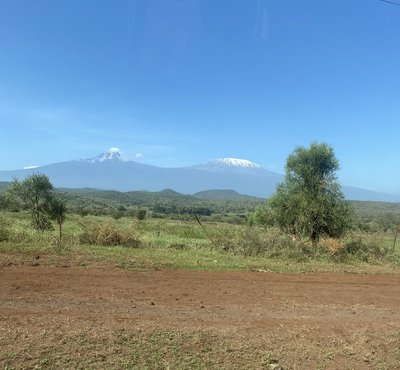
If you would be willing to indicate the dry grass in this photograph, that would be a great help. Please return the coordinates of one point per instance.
(108, 234)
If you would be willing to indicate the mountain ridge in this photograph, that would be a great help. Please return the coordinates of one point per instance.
(111, 170)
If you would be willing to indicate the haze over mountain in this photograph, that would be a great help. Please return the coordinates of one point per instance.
(110, 170)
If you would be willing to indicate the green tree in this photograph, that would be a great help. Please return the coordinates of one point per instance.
(141, 214)
(310, 203)
(35, 193)
(58, 210)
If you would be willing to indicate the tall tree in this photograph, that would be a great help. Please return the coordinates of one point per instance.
(310, 202)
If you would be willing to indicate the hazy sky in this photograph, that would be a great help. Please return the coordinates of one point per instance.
(185, 81)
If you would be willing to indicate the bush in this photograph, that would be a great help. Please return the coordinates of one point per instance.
(363, 250)
(117, 214)
(285, 247)
(141, 214)
(247, 242)
(250, 243)
(109, 234)
(5, 233)
(83, 212)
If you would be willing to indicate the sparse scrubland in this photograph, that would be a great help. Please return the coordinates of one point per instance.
(306, 223)
(188, 283)
(162, 293)
(166, 243)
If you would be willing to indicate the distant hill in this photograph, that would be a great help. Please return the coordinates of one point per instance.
(163, 202)
(223, 202)
(110, 171)
(354, 193)
(223, 194)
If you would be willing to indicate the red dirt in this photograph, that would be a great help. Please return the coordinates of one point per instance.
(356, 317)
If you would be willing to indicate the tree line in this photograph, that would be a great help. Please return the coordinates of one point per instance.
(308, 204)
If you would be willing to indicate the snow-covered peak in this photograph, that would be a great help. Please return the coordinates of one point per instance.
(235, 162)
(30, 167)
(228, 164)
(112, 154)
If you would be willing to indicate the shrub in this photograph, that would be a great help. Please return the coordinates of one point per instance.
(109, 234)
(117, 214)
(247, 242)
(363, 250)
(141, 214)
(83, 212)
(5, 233)
(250, 243)
(35, 193)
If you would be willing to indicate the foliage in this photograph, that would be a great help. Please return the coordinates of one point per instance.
(117, 214)
(389, 221)
(158, 204)
(166, 243)
(8, 203)
(141, 214)
(4, 230)
(364, 250)
(57, 212)
(310, 202)
(35, 193)
(261, 216)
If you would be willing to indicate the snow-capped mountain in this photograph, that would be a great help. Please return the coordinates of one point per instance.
(111, 155)
(238, 166)
(111, 171)
(227, 163)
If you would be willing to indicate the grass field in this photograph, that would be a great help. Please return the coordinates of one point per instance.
(163, 243)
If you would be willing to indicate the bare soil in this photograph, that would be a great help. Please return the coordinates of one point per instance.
(54, 317)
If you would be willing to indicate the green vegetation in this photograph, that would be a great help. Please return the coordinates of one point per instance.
(36, 194)
(223, 194)
(166, 203)
(301, 228)
(309, 203)
(173, 205)
(166, 243)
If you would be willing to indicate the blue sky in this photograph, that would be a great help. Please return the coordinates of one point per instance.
(185, 81)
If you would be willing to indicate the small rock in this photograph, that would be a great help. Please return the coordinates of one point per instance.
(152, 303)
(275, 367)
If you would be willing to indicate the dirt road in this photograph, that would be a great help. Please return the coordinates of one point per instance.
(298, 321)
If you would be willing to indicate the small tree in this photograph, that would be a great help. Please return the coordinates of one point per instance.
(310, 202)
(58, 210)
(141, 214)
(35, 192)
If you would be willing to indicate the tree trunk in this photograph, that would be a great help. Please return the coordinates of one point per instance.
(60, 225)
(395, 238)
(314, 238)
